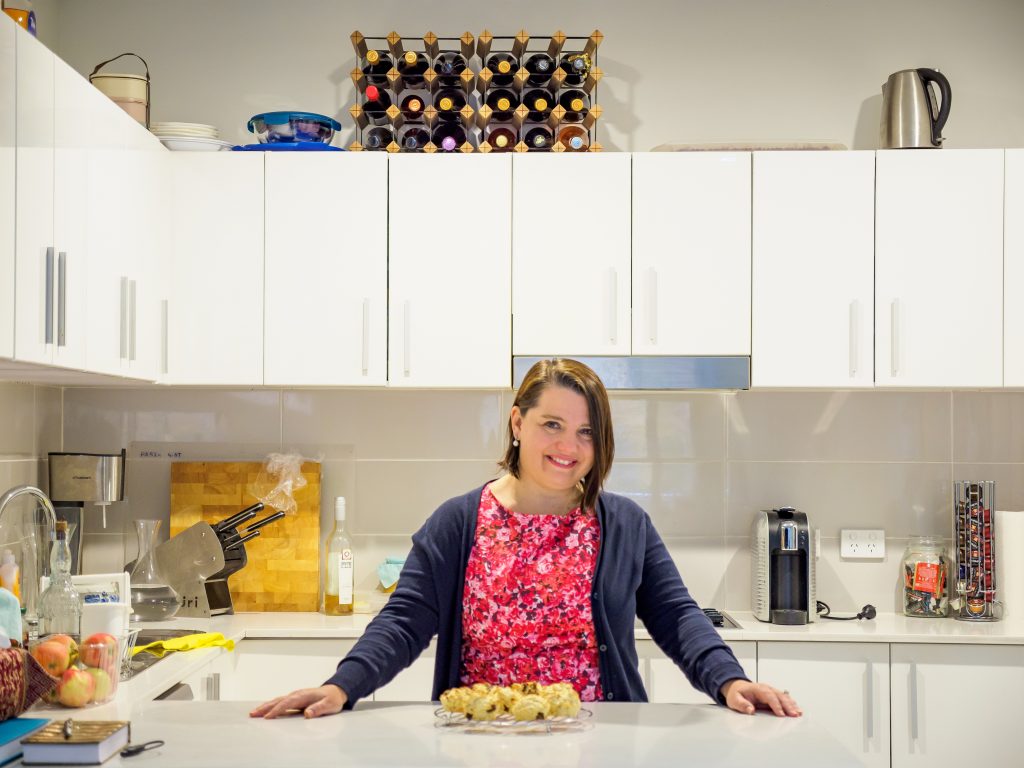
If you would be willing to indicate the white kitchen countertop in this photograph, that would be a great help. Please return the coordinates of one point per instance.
(219, 734)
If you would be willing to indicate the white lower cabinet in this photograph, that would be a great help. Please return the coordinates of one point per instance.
(666, 683)
(956, 705)
(844, 687)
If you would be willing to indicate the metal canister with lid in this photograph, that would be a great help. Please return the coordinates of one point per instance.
(925, 578)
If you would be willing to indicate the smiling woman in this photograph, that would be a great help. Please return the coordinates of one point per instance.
(537, 577)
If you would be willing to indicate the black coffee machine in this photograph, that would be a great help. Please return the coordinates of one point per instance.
(783, 567)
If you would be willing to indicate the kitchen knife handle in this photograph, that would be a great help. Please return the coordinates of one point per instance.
(366, 337)
(869, 700)
(239, 517)
(652, 304)
(613, 302)
(242, 540)
(265, 521)
(854, 336)
(48, 300)
(405, 343)
(913, 700)
(124, 317)
(894, 351)
(62, 297)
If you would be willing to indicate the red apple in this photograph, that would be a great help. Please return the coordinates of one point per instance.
(76, 688)
(103, 685)
(52, 656)
(99, 650)
(68, 642)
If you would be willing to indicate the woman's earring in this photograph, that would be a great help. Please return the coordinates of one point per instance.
(515, 442)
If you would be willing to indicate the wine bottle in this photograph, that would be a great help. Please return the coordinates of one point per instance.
(538, 139)
(339, 598)
(577, 67)
(574, 138)
(411, 67)
(376, 65)
(414, 139)
(449, 65)
(540, 66)
(378, 138)
(412, 107)
(501, 138)
(376, 105)
(538, 102)
(503, 103)
(503, 67)
(448, 137)
(576, 105)
(448, 102)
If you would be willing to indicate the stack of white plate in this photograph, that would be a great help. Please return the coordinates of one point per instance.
(189, 137)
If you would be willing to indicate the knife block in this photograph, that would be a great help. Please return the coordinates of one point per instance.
(192, 561)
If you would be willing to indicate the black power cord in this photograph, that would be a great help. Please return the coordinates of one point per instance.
(867, 612)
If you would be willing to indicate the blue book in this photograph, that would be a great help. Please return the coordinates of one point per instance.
(13, 731)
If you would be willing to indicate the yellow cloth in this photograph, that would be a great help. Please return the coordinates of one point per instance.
(186, 643)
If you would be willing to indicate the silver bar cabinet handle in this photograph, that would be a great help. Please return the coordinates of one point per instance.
(124, 317)
(366, 336)
(62, 298)
(913, 700)
(869, 700)
(48, 301)
(133, 326)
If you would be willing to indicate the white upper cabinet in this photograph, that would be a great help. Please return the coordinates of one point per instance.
(691, 253)
(570, 253)
(813, 273)
(8, 83)
(326, 268)
(1013, 275)
(215, 315)
(939, 268)
(449, 227)
(36, 258)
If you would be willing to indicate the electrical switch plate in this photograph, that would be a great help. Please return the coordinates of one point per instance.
(862, 544)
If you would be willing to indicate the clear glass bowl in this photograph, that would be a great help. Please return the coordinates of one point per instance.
(282, 127)
(87, 672)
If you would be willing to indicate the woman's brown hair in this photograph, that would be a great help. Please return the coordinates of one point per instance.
(579, 378)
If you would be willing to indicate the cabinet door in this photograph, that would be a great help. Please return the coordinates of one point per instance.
(691, 253)
(215, 318)
(667, 684)
(72, 101)
(813, 245)
(1013, 275)
(956, 704)
(939, 268)
(36, 259)
(326, 268)
(571, 254)
(449, 321)
(8, 84)
(414, 683)
(842, 686)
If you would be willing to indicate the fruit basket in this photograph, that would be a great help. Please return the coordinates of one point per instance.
(87, 672)
(505, 724)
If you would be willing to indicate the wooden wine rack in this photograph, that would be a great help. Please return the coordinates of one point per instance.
(381, 129)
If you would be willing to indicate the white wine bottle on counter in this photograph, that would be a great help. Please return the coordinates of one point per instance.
(339, 595)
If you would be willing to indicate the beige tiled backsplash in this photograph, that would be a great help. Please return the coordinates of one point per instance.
(699, 463)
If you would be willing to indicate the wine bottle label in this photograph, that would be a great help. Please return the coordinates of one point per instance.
(339, 576)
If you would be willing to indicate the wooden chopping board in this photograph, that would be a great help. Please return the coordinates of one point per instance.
(283, 570)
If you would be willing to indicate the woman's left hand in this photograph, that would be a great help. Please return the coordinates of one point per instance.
(746, 697)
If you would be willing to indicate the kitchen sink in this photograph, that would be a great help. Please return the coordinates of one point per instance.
(143, 661)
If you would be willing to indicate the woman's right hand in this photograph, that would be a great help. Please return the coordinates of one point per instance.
(312, 702)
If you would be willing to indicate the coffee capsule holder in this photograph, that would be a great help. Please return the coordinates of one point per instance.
(475, 81)
(974, 537)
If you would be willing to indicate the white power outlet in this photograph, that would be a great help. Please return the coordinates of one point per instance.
(862, 545)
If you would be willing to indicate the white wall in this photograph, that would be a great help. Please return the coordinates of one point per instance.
(677, 70)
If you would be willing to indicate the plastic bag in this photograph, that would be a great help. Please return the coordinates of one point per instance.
(280, 478)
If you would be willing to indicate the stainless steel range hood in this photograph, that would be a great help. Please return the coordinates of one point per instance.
(673, 373)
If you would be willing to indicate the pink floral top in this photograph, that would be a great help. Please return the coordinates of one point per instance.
(526, 611)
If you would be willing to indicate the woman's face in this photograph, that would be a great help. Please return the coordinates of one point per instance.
(556, 443)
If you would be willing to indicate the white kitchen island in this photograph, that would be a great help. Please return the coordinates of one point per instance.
(219, 734)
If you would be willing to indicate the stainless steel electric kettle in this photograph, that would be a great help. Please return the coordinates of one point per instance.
(910, 117)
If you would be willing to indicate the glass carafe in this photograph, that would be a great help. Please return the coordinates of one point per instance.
(153, 598)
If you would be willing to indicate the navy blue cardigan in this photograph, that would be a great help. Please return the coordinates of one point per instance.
(635, 577)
